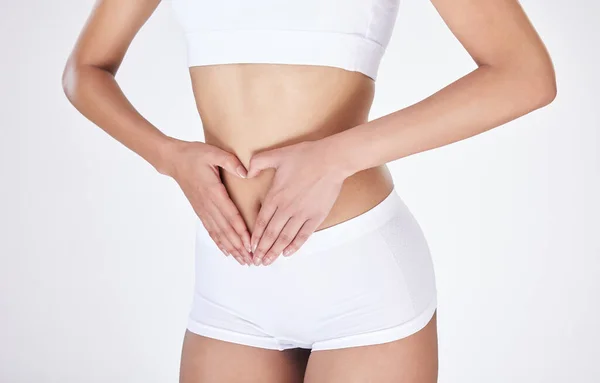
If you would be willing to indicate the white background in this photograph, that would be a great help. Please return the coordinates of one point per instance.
(96, 250)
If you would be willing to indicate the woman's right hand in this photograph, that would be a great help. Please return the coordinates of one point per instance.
(195, 167)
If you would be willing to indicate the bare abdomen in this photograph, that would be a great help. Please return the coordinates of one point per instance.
(248, 108)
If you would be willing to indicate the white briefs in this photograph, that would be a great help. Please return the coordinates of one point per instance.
(367, 280)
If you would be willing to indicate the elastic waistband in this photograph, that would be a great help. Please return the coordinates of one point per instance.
(344, 231)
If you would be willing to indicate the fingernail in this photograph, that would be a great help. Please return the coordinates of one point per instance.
(286, 252)
(249, 248)
(267, 261)
(257, 261)
(254, 247)
(241, 171)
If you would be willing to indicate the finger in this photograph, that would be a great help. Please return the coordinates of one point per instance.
(229, 162)
(218, 233)
(288, 233)
(235, 246)
(263, 160)
(214, 232)
(233, 216)
(212, 228)
(270, 234)
(209, 226)
(228, 248)
(266, 212)
(304, 233)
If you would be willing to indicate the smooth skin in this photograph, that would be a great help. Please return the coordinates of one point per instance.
(294, 131)
(89, 83)
(515, 76)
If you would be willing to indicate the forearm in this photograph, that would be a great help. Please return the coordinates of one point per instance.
(481, 100)
(95, 93)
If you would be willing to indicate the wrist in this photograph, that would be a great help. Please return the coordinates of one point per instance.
(340, 151)
(338, 156)
(167, 155)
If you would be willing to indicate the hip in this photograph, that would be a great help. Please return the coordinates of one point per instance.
(369, 273)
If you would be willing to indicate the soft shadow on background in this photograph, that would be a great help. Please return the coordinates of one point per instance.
(96, 248)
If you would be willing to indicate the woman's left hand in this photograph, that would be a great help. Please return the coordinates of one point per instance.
(308, 179)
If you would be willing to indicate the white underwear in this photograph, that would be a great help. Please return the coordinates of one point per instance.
(367, 280)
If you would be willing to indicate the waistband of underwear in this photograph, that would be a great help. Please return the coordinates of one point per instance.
(344, 231)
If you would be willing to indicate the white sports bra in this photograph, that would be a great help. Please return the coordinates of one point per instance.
(348, 34)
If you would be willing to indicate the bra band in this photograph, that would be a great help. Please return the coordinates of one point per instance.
(347, 34)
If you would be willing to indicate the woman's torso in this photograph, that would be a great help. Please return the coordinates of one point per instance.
(247, 108)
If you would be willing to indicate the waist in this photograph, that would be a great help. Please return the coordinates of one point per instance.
(359, 193)
(248, 108)
(390, 206)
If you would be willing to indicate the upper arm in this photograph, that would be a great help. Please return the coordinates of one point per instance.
(108, 32)
(497, 33)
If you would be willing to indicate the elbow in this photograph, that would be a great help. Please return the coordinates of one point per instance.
(68, 81)
(72, 79)
(540, 82)
(544, 91)
(529, 80)
(76, 78)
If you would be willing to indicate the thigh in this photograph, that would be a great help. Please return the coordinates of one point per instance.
(208, 360)
(413, 359)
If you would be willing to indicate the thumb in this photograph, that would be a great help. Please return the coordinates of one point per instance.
(230, 163)
(263, 160)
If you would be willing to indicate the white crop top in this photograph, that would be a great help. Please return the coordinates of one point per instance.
(348, 34)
